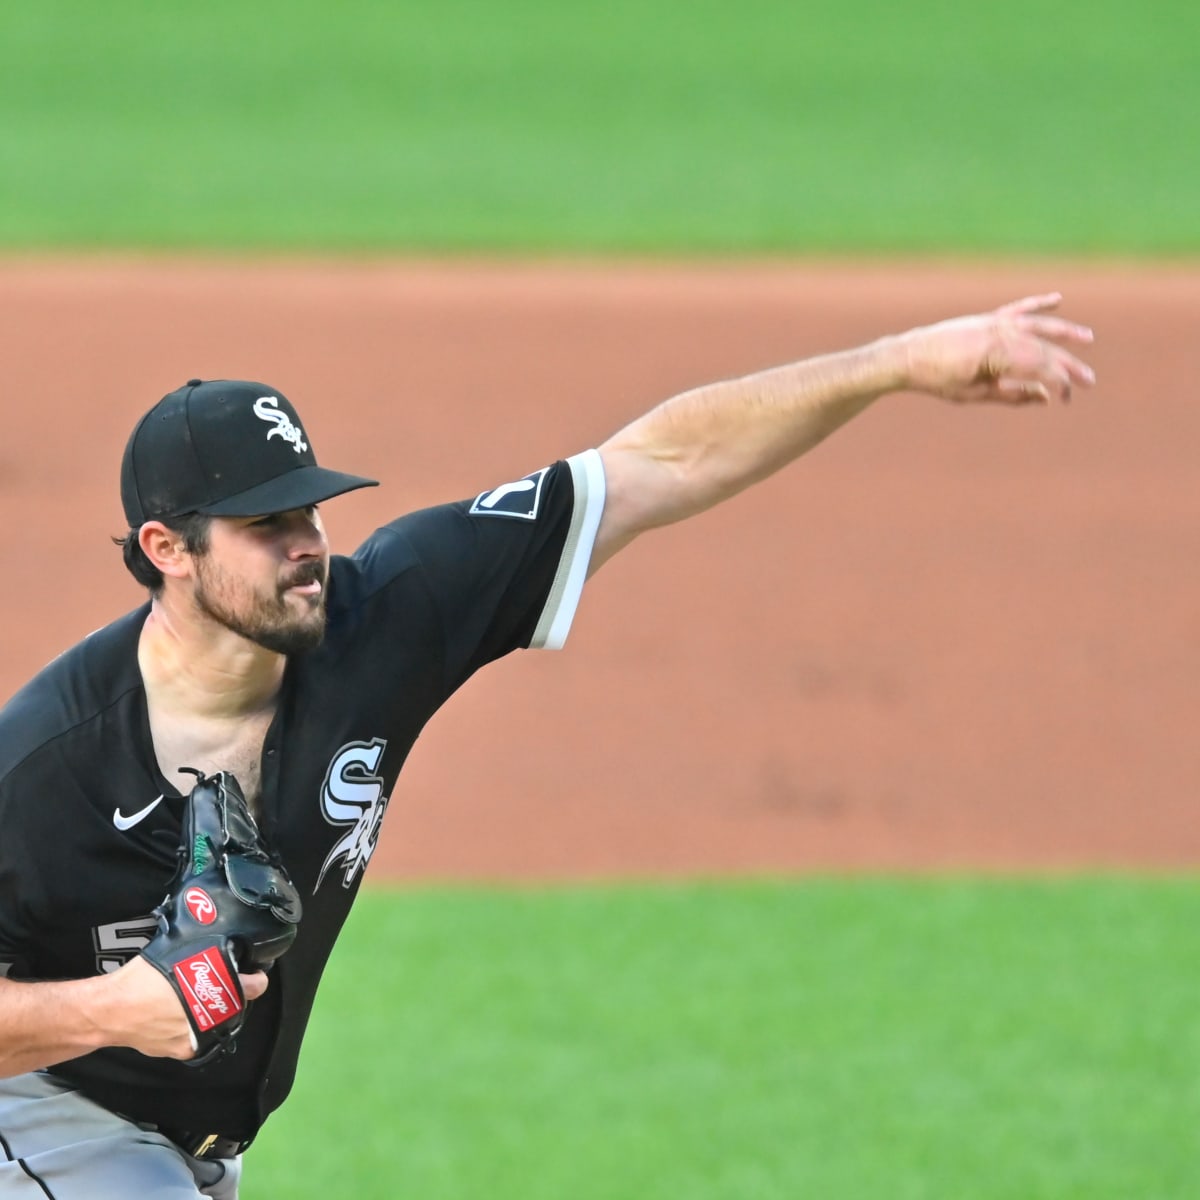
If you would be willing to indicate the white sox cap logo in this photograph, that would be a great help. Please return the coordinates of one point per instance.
(266, 408)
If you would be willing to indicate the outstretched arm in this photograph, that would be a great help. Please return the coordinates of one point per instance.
(708, 444)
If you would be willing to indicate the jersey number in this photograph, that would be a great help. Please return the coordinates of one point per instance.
(117, 943)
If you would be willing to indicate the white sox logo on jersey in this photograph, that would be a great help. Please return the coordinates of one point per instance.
(519, 499)
(352, 794)
(266, 408)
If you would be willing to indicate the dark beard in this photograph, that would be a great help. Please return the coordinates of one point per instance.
(271, 627)
(288, 640)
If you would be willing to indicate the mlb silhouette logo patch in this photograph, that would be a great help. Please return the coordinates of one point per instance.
(519, 499)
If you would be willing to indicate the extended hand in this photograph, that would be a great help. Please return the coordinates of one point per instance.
(1013, 355)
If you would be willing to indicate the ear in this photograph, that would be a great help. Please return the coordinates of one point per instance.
(164, 548)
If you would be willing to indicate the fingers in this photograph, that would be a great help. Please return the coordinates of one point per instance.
(1077, 370)
(1055, 329)
(1055, 379)
(1032, 304)
(1030, 318)
(1055, 371)
(1063, 371)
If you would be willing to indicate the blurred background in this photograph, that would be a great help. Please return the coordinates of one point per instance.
(896, 747)
(662, 128)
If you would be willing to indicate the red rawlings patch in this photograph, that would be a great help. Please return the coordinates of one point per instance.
(200, 904)
(208, 989)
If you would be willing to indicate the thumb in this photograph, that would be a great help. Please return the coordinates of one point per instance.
(1023, 391)
(253, 985)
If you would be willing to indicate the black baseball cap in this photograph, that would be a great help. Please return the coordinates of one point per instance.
(225, 447)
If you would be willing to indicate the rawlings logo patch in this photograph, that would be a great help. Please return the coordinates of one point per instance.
(200, 904)
(208, 989)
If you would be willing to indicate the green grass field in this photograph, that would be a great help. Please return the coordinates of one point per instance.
(920, 1039)
(676, 127)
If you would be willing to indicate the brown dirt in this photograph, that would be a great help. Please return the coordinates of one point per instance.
(944, 639)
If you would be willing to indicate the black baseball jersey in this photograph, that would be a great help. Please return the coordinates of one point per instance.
(90, 826)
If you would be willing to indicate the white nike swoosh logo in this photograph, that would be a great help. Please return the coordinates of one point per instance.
(123, 822)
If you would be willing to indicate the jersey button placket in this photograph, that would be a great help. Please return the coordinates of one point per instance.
(270, 784)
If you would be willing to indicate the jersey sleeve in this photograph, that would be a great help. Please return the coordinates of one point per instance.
(588, 494)
(506, 569)
(17, 881)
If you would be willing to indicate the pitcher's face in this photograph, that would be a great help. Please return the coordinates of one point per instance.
(264, 578)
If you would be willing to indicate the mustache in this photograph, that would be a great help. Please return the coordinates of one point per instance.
(313, 572)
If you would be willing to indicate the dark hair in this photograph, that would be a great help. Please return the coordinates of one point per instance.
(192, 527)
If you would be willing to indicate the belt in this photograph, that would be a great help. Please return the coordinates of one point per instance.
(205, 1145)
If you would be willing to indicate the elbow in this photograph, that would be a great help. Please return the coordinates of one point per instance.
(648, 488)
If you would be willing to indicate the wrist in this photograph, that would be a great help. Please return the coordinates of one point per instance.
(99, 1009)
(893, 364)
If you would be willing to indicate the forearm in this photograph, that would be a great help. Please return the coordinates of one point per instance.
(46, 1023)
(705, 445)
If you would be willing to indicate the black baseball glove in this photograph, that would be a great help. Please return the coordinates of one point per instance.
(231, 907)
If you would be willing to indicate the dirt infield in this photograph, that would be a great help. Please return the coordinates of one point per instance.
(944, 639)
